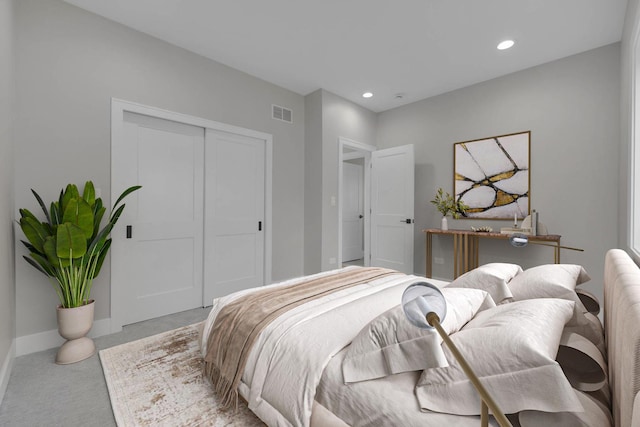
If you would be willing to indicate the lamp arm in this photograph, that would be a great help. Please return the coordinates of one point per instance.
(434, 320)
(556, 246)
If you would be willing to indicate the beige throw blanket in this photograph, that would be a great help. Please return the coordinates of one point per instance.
(239, 323)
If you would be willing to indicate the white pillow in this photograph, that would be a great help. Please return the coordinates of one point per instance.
(389, 344)
(549, 281)
(512, 349)
(595, 415)
(492, 278)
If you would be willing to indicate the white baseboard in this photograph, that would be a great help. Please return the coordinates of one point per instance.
(5, 370)
(49, 339)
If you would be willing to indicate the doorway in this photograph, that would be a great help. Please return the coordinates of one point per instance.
(354, 163)
(387, 205)
(353, 212)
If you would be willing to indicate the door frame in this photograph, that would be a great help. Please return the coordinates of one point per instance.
(118, 108)
(362, 150)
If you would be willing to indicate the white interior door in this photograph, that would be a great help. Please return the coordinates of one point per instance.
(392, 216)
(352, 211)
(157, 264)
(234, 213)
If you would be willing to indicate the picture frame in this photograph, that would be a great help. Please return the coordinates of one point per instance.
(492, 176)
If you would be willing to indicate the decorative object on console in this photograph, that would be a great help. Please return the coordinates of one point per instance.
(491, 175)
(482, 229)
(69, 247)
(448, 205)
(425, 306)
(532, 226)
(518, 230)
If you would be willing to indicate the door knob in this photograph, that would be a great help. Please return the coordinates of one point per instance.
(408, 221)
(360, 216)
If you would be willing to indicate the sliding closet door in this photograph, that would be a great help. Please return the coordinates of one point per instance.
(234, 213)
(158, 246)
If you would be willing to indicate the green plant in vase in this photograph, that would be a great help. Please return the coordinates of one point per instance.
(69, 246)
(448, 205)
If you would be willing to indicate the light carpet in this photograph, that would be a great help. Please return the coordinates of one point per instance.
(158, 381)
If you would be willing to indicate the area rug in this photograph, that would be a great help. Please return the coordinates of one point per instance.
(158, 381)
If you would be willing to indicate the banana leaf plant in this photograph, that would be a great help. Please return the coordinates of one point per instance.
(69, 246)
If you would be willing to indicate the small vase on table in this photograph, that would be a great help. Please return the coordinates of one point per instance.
(444, 226)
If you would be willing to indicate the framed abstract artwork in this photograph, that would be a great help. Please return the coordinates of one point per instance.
(491, 176)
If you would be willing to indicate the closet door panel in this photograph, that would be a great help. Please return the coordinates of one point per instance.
(234, 213)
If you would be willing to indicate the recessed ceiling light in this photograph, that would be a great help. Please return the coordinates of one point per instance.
(367, 95)
(505, 44)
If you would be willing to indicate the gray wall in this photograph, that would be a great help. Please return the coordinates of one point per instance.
(313, 183)
(69, 65)
(7, 282)
(632, 21)
(328, 117)
(572, 108)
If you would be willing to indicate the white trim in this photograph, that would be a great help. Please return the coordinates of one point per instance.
(41, 341)
(119, 106)
(633, 242)
(5, 370)
(362, 151)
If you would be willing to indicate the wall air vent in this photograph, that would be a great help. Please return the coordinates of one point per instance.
(281, 113)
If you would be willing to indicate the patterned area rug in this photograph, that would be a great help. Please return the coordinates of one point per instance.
(158, 381)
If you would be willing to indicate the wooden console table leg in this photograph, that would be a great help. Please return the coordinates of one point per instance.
(455, 256)
(475, 244)
(429, 255)
(465, 251)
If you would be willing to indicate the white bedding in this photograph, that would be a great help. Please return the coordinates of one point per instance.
(398, 407)
(278, 386)
(297, 360)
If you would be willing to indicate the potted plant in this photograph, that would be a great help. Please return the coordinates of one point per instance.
(69, 247)
(448, 205)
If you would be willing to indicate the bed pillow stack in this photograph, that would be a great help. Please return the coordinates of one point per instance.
(561, 281)
(580, 351)
(389, 344)
(539, 351)
(512, 349)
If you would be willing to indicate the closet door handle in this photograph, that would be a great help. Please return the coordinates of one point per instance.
(129, 231)
(259, 225)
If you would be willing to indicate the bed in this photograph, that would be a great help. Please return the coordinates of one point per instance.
(343, 353)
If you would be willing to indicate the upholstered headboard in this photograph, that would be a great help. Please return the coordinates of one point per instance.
(622, 330)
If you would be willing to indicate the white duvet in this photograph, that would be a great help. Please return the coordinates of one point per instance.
(287, 361)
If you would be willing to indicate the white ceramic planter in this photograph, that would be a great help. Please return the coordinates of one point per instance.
(444, 225)
(73, 325)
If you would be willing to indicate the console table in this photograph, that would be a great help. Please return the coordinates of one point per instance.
(466, 244)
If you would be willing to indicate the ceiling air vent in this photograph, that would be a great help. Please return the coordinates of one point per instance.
(281, 113)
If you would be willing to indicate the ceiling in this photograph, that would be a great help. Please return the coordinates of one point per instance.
(401, 50)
